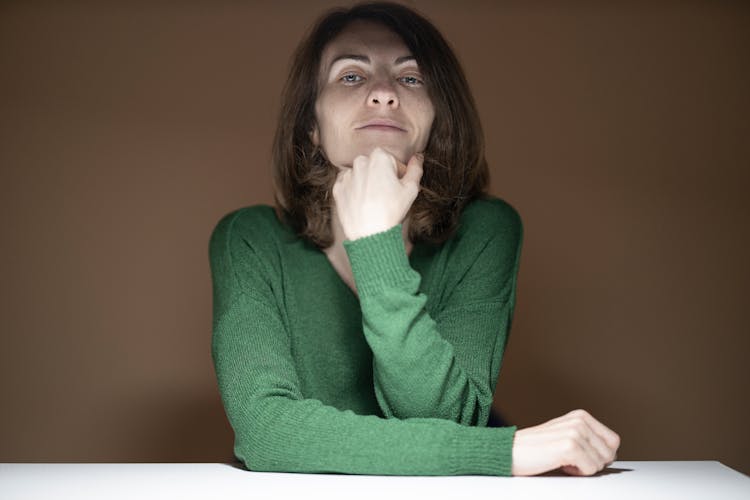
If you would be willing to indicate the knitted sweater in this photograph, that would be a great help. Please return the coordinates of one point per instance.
(396, 381)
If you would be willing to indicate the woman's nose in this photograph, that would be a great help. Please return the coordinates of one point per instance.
(383, 94)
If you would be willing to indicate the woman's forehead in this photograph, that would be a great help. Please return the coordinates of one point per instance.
(364, 38)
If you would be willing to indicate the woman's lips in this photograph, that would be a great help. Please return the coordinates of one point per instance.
(384, 128)
(382, 124)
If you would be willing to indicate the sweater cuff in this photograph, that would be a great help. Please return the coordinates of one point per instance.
(479, 454)
(379, 261)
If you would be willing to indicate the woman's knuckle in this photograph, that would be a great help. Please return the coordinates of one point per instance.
(579, 413)
(571, 445)
(579, 422)
(574, 434)
(616, 441)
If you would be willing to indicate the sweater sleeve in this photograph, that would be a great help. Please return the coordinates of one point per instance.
(278, 429)
(444, 367)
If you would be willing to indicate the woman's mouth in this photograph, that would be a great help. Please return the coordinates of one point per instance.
(381, 124)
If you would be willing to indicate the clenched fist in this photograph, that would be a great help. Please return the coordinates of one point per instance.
(376, 193)
(576, 443)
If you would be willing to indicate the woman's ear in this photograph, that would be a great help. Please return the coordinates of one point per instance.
(315, 135)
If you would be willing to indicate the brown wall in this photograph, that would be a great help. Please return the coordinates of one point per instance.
(619, 132)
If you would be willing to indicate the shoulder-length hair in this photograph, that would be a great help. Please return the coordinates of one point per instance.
(455, 168)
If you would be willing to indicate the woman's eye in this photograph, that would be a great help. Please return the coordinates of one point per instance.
(351, 78)
(411, 80)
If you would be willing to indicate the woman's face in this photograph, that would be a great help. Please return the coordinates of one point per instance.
(371, 94)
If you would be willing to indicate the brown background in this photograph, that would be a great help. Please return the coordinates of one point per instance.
(619, 132)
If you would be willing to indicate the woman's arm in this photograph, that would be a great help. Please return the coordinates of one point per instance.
(424, 367)
(278, 429)
(443, 367)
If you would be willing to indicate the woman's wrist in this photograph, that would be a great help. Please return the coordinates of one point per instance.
(364, 232)
(379, 260)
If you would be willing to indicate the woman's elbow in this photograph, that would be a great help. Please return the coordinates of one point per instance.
(256, 449)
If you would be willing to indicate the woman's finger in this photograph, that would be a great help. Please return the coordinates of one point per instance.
(580, 423)
(414, 170)
(401, 169)
(609, 436)
(580, 454)
(603, 452)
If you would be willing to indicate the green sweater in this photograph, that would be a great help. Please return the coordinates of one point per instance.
(398, 381)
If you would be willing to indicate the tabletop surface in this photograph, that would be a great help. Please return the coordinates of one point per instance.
(631, 480)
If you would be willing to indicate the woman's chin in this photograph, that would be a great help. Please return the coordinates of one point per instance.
(400, 153)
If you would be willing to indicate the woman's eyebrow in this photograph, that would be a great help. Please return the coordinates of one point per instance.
(404, 59)
(354, 57)
(365, 59)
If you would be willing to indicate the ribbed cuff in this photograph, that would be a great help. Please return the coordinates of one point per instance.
(476, 453)
(379, 261)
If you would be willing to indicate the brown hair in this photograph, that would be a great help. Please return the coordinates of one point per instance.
(455, 168)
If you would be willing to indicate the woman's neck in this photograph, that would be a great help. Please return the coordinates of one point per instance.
(337, 254)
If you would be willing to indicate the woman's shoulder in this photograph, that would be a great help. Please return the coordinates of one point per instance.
(486, 245)
(256, 226)
(489, 230)
(489, 217)
(255, 217)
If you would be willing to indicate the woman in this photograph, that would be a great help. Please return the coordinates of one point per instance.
(360, 326)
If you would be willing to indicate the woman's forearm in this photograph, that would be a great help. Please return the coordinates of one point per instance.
(422, 367)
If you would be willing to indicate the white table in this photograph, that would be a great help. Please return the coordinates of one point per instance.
(623, 480)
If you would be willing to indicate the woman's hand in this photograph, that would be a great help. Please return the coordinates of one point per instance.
(376, 193)
(576, 443)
